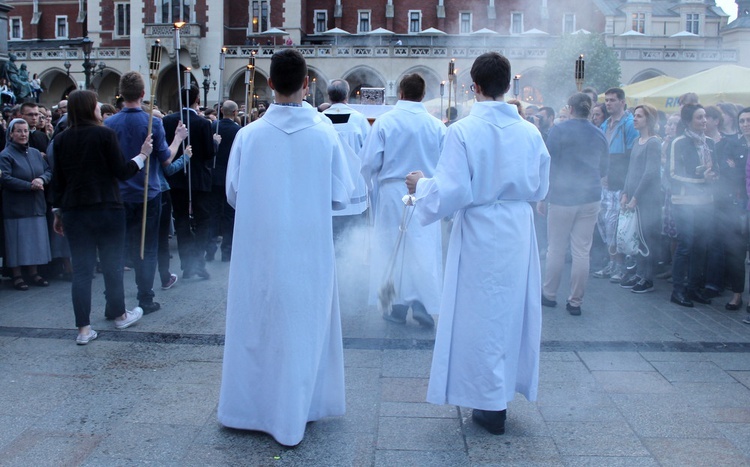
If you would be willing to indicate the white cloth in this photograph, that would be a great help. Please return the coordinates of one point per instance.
(353, 133)
(487, 345)
(403, 140)
(283, 356)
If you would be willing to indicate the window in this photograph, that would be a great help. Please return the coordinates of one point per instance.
(364, 21)
(692, 23)
(259, 16)
(321, 21)
(639, 22)
(516, 22)
(61, 27)
(465, 22)
(173, 11)
(16, 28)
(415, 21)
(122, 19)
(569, 23)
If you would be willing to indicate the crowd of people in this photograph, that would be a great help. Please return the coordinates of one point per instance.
(89, 186)
(684, 176)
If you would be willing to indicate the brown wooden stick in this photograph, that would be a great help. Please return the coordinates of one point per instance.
(154, 65)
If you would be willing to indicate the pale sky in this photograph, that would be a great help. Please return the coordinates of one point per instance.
(730, 7)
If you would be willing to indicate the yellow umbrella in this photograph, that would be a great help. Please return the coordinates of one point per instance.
(642, 86)
(726, 83)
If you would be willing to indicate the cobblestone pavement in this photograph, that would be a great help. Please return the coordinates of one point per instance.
(634, 381)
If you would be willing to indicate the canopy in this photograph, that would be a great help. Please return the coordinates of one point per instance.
(641, 87)
(725, 83)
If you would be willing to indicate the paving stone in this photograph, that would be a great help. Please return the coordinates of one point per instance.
(597, 461)
(404, 389)
(731, 361)
(743, 377)
(696, 453)
(389, 458)
(596, 439)
(739, 435)
(363, 358)
(420, 434)
(146, 442)
(703, 395)
(615, 361)
(664, 415)
(692, 372)
(178, 404)
(416, 409)
(566, 372)
(632, 381)
(407, 363)
(488, 449)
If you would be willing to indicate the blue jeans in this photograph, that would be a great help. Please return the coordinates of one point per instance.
(88, 231)
(689, 264)
(145, 269)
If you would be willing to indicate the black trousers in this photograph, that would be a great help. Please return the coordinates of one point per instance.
(192, 233)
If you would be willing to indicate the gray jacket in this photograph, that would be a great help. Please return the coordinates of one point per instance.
(20, 165)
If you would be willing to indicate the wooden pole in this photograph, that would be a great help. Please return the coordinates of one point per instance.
(153, 67)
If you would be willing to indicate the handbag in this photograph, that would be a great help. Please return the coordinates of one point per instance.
(629, 235)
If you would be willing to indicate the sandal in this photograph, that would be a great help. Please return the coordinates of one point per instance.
(20, 284)
(39, 281)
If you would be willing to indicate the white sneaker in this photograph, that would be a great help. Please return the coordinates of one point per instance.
(84, 339)
(131, 316)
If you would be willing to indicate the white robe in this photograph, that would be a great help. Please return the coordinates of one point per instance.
(402, 140)
(487, 345)
(353, 133)
(283, 356)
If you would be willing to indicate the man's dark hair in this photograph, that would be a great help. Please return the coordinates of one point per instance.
(549, 112)
(580, 105)
(616, 91)
(190, 96)
(27, 105)
(338, 91)
(491, 72)
(288, 71)
(412, 87)
(132, 86)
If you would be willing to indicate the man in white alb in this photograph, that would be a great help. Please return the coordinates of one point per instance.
(493, 165)
(403, 139)
(283, 355)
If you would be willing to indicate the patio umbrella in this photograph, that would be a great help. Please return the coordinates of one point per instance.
(380, 32)
(274, 32)
(336, 32)
(642, 87)
(484, 32)
(432, 32)
(725, 83)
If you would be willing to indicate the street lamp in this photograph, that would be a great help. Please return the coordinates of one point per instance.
(88, 65)
(67, 67)
(516, 85)
(206, 82)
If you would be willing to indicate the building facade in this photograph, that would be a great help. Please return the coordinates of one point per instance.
(378, 41)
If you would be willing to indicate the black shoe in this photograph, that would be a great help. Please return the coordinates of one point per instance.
(680, 299)
(547, 302)
(709, 293)
(203, 274)
(630, 282)
(643, 286)
(573, 310)
(491, 420)
(149, 307)
(421, 316)
(699, 296)
(397, 314)
(733, 306)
